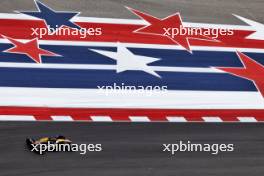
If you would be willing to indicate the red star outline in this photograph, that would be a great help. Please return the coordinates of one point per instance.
(31, 49)
(252, 70)
(182, 40)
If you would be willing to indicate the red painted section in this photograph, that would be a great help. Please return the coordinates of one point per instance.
(122, 33)
(83, 114)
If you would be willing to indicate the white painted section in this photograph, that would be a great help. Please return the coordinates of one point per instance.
(126, 60)
(258, 27)
(176, 119)
(95, 98)
(17, 118)
(62, 118)
(212, 119)
(139, 119)
(101, 119)
(246, 119)
(105, 67)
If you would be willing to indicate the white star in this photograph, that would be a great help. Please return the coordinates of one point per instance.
(126, 60)
(258, 27)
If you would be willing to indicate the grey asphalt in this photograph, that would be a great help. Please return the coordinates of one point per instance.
(133, 149)
(211, 11)
(136, 149)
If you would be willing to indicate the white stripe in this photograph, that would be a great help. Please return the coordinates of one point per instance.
(139, 119)
(101, 118)
(212, 119)
(62, 118)
(17, 16)
(176, 119)
(105, 67)
(95, 98)
(124, 21)
(17, 118)
(247, 119)
(138, 45)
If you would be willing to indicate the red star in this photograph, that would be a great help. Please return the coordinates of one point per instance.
(252, 70)
(30, 48)
(156, 27)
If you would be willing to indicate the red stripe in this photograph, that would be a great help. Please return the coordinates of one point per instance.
(21, 29)
(42, 113)
(81, 117)
(261, 119)
(229, 118)
(43, 117)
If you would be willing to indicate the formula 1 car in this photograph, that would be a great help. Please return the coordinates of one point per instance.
(36, 145)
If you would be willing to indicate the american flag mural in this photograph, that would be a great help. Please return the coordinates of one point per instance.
(59, 65)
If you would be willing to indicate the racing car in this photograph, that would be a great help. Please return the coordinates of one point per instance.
(35, 145)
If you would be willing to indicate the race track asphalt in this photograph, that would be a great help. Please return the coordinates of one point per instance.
(133, 149)
(136, 149)
(211, 11)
